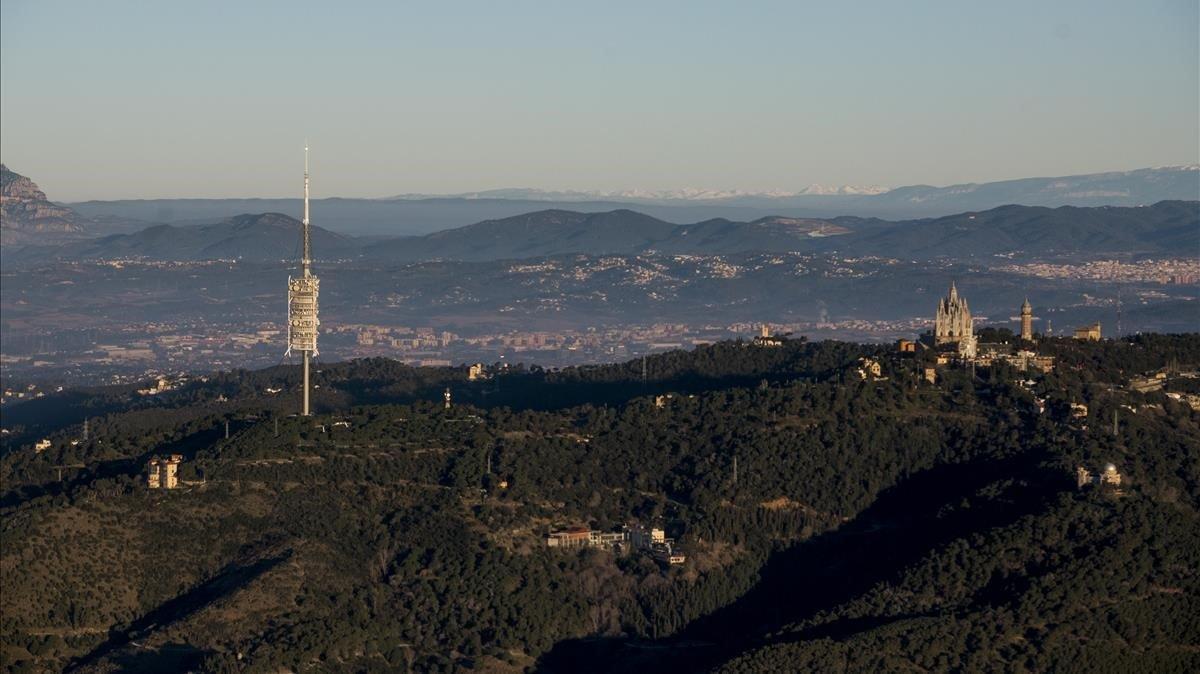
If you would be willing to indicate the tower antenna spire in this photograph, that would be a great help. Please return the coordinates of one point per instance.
(306, 261)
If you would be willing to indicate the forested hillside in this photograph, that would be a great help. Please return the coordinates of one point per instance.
(830, 522)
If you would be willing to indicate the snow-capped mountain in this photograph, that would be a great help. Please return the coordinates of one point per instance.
(1128, 188)
(844, 190)
(687, 194)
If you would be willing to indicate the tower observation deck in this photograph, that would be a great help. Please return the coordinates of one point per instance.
(303, 321)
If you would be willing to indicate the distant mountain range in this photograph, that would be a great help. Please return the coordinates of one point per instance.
(649, 196)
(1169, 228)
(556, 232)
(1119, 188)
(267, 236)
(422, 214)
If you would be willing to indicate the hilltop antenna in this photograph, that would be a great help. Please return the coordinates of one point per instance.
(302, 300)
(306, 261)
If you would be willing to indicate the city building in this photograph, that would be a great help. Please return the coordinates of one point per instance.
(161, 385)
(41, 445)
(163, 473)
(575, 537)
(583, 537)
(1089, 333)
(869, 368)
(652, 540)
(906, 346)
(765, 338)
(600, 539)
(655, 541)
(990, 354)
(1027, 321)
(476, 372)
(952, 324)
(1109, 478)
(666, 554)
(931, 375)
(642, 537)
(1044, 363)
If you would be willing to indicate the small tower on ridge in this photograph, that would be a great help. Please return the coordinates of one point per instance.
(1027, 321)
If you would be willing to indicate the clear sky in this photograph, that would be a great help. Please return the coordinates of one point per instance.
(154, 99)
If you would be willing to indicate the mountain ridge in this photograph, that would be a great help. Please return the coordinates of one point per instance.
(27, 216)
(1049, 183)
(1167, 227)
(427, 213)
(261, 237)
(1163, 228)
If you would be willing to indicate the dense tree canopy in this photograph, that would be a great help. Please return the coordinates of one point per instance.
(872, 523)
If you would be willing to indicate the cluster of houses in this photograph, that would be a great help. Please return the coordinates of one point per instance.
(629, 538)
(161, 385)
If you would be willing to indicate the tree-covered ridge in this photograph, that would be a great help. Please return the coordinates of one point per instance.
(880, 524)
(1087, 585)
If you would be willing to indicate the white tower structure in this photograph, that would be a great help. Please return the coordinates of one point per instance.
(302, 300)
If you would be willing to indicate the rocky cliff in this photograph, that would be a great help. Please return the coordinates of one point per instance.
(26, 216)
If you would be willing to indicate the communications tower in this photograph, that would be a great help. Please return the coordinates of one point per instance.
(302, 300)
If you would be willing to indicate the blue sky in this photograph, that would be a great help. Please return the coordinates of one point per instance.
(154, 99)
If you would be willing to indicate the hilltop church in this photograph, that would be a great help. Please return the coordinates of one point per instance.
(952, 325)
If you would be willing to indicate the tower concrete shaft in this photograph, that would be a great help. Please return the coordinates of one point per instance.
(303, 319)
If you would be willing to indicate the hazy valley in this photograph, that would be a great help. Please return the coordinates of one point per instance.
(558, 287)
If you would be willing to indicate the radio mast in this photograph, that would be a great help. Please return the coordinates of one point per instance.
(306, 261)
(302, 300)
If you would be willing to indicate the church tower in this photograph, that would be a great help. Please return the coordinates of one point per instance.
(1027, 321)
(952, 324)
